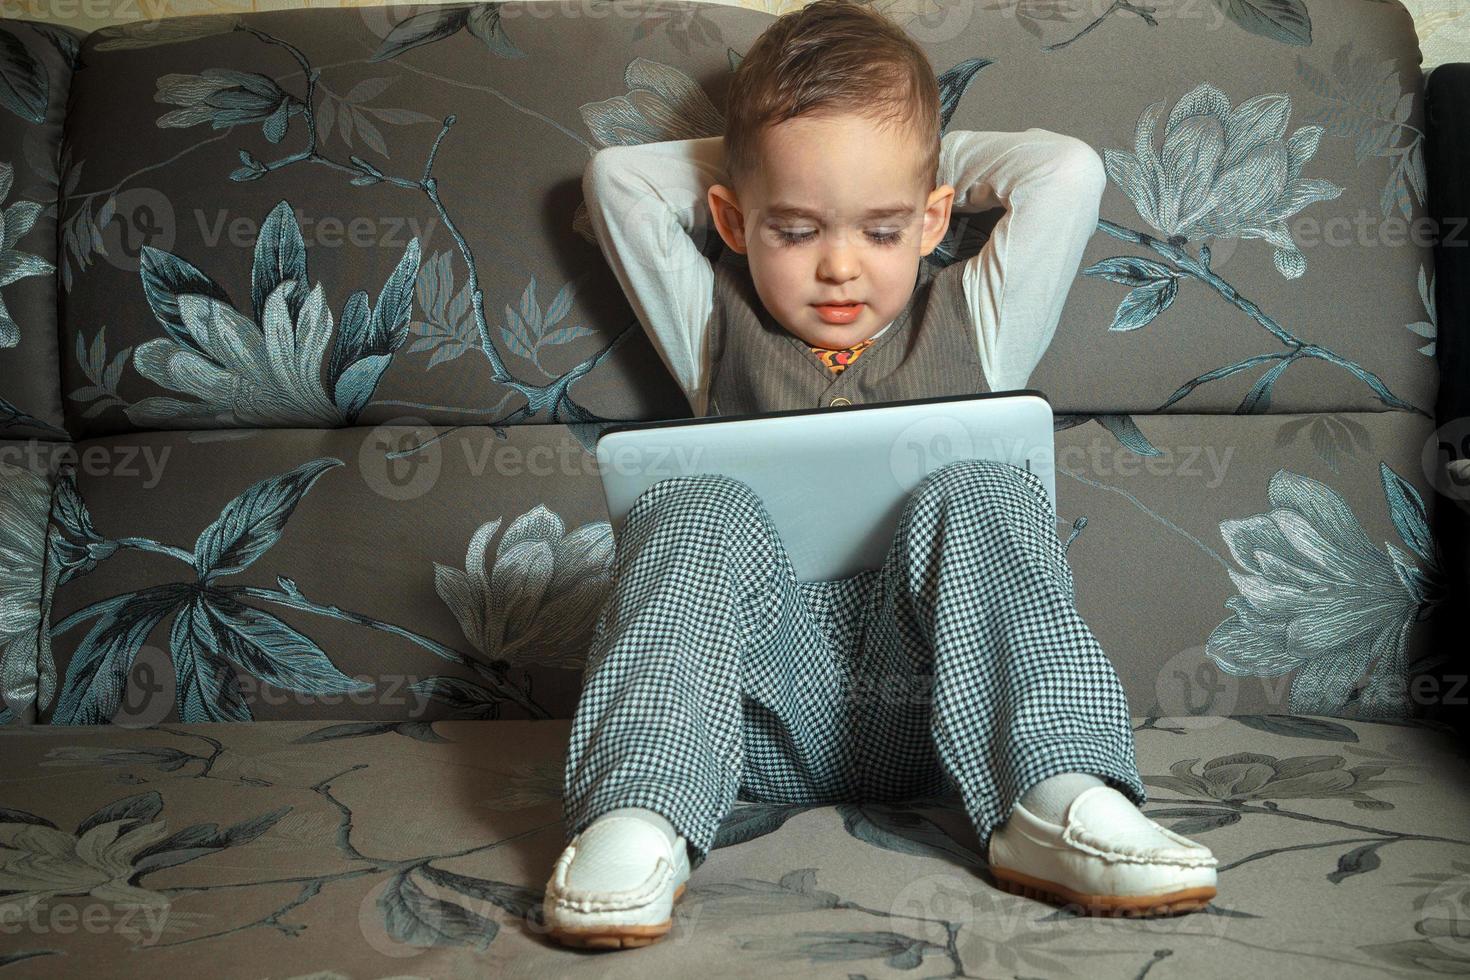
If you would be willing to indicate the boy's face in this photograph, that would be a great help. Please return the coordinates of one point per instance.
(836, 168)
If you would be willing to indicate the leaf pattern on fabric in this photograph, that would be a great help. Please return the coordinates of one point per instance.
(266, 370)
(1317, 598)
(214, 636)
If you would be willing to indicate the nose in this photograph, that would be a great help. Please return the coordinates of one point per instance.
(839, 261)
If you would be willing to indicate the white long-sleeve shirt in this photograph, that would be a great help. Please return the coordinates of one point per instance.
(649, 210)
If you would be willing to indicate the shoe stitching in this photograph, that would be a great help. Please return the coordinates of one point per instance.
(1079, 837)
(588, 900)
(592, 900)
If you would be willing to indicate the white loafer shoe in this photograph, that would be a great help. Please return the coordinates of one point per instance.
(583, 907)
(1109, 859)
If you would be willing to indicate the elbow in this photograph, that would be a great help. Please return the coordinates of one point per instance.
(1083, 167)
(611, 181)
(595, 174)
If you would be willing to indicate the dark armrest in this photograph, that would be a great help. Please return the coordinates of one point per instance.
(1447, 169)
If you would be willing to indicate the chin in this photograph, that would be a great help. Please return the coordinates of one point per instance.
(833, 341)
(837, 336)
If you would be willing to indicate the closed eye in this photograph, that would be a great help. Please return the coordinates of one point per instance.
(800, 237)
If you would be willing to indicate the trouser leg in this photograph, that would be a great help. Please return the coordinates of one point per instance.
(708, 677)
(1002, 682)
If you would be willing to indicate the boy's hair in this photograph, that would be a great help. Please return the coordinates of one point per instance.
(827, 58)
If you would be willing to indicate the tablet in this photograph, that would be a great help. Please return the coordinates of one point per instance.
(834, 480)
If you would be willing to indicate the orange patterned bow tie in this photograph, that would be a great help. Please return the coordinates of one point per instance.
(836, 360)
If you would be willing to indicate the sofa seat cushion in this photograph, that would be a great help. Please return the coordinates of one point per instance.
(378, 848)
(429, 572)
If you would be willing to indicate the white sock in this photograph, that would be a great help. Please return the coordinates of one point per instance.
(1050, 798)
(600, 865)
(652, 816)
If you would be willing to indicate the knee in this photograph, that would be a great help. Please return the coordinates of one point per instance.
(702, 494)
(963, 478)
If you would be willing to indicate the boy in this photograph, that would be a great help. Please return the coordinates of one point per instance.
(714, 674)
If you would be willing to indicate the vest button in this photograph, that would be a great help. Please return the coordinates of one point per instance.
(838, 401)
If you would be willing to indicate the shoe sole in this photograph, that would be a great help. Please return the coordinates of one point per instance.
(1132, 906)
(615, 937)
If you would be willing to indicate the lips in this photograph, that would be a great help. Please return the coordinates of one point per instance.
(838, 312)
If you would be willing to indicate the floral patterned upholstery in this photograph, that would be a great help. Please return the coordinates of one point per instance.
(305, 344)
(295, 849)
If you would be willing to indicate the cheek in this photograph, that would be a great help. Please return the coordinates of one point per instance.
(782, 271)
(896, 275)
(898, 286)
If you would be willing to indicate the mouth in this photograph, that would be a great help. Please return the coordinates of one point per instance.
(838, 312)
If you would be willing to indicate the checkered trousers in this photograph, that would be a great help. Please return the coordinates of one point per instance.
(961, 665)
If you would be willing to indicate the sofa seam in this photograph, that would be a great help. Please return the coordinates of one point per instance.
(58, 293)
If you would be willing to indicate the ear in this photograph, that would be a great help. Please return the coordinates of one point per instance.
(728, 218)
(936, 218)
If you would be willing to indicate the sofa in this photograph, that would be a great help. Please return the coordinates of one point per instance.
(305, 344)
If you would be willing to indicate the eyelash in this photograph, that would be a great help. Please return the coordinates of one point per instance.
(797, 238)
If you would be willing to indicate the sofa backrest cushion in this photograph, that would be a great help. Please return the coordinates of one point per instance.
(1255, 250)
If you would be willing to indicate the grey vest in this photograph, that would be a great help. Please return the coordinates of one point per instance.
(758, 366)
